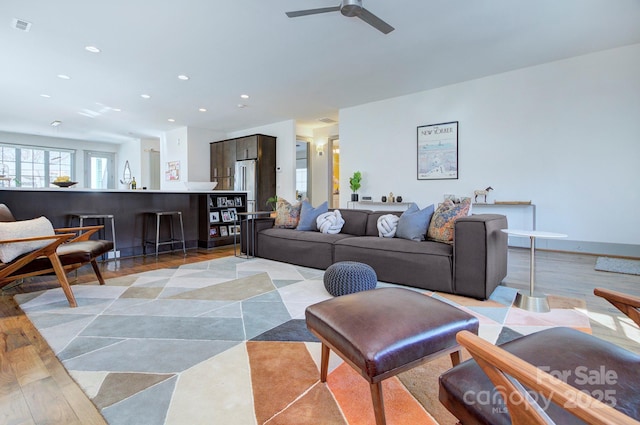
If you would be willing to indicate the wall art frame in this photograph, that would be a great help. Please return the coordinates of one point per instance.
(437, 149)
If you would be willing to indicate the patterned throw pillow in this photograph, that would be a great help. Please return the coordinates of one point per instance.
(441, 225)
(287, 215)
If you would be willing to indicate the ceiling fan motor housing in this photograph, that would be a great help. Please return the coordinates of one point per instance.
(351, 8)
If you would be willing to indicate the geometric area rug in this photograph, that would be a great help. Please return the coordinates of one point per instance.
(618, 265)
(225, 342)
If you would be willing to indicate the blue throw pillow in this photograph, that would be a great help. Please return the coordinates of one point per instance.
(414, 222)
(308, 215)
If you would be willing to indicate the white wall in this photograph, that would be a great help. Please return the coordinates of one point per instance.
(173, 147)
(132, 152)
(565, 135)
(200, 152)
(285, 133)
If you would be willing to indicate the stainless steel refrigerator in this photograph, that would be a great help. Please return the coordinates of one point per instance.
(246, 180)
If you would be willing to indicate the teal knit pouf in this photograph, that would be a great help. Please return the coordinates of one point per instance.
(347, 277)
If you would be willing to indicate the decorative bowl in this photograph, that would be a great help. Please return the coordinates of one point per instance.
(201, 186)
(64, 184)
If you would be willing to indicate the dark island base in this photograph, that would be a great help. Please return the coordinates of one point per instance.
(127, 207)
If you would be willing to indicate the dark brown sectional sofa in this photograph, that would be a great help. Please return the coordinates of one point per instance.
(472, 266)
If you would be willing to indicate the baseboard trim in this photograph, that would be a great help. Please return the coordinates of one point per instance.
(581, 247)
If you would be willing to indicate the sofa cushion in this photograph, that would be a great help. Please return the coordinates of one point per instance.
(371, 229)
(309, 249)
(443, 219)
(414, 222)
(287, 215)
(308, 215)
(355, 222)
(398, 245)
(23, 229)
(426, 265)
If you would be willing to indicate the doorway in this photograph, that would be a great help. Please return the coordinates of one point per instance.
(154, 169)
(334, 171)
(303, 180)
(99, 170)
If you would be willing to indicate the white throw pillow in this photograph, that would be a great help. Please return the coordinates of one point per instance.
(330, 222)
(23, 229)
(387, 225)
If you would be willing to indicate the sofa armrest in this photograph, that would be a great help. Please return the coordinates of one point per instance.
(479, 254)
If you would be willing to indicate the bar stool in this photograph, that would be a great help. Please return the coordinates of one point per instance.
(157, 215)
(100, 218)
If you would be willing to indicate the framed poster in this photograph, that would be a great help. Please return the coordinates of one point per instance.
(223, 231)
(214, 231)
(438, 151)
(173, 171)
(214, 216)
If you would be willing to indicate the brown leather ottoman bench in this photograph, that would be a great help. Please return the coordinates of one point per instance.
(383, 332)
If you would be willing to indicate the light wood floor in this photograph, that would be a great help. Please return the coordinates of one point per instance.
(36, 389)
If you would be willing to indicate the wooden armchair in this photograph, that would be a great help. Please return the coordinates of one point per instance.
(628, 304)
(70, 248)
(518, 382)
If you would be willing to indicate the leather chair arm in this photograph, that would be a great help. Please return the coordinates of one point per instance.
(510, 375)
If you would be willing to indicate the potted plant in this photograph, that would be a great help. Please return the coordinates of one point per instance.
(272, 202)
(354, 183)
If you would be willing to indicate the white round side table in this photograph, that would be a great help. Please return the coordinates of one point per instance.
(533, 301)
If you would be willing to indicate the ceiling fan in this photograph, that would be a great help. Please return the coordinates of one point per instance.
(350, 8)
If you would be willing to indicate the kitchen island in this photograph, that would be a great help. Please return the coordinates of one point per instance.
(127, 206)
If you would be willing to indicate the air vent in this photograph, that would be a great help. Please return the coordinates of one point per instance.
(327, 120)
(21, 25)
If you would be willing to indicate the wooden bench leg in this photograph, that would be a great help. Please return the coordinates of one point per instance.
(62, 278)
(96, 270)
(324, 362)
(455, 357)
(378, 403)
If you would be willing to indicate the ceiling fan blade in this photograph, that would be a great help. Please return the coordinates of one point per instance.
(312, 11)
(374, 21)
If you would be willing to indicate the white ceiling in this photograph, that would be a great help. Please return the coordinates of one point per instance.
(304, 68)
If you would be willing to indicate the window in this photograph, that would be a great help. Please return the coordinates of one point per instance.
(99, 170)
(34, 166)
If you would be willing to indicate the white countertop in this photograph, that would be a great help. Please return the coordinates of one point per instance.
(80, 189)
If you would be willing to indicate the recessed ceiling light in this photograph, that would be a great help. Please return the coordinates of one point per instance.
(145, 96)
(244, 96)
(45, 96)
(55, 123)
(202, 109)
(171, 120)
(241, 105)
(64, 76)
(183, 77)
(92, 49)
(116, 109)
